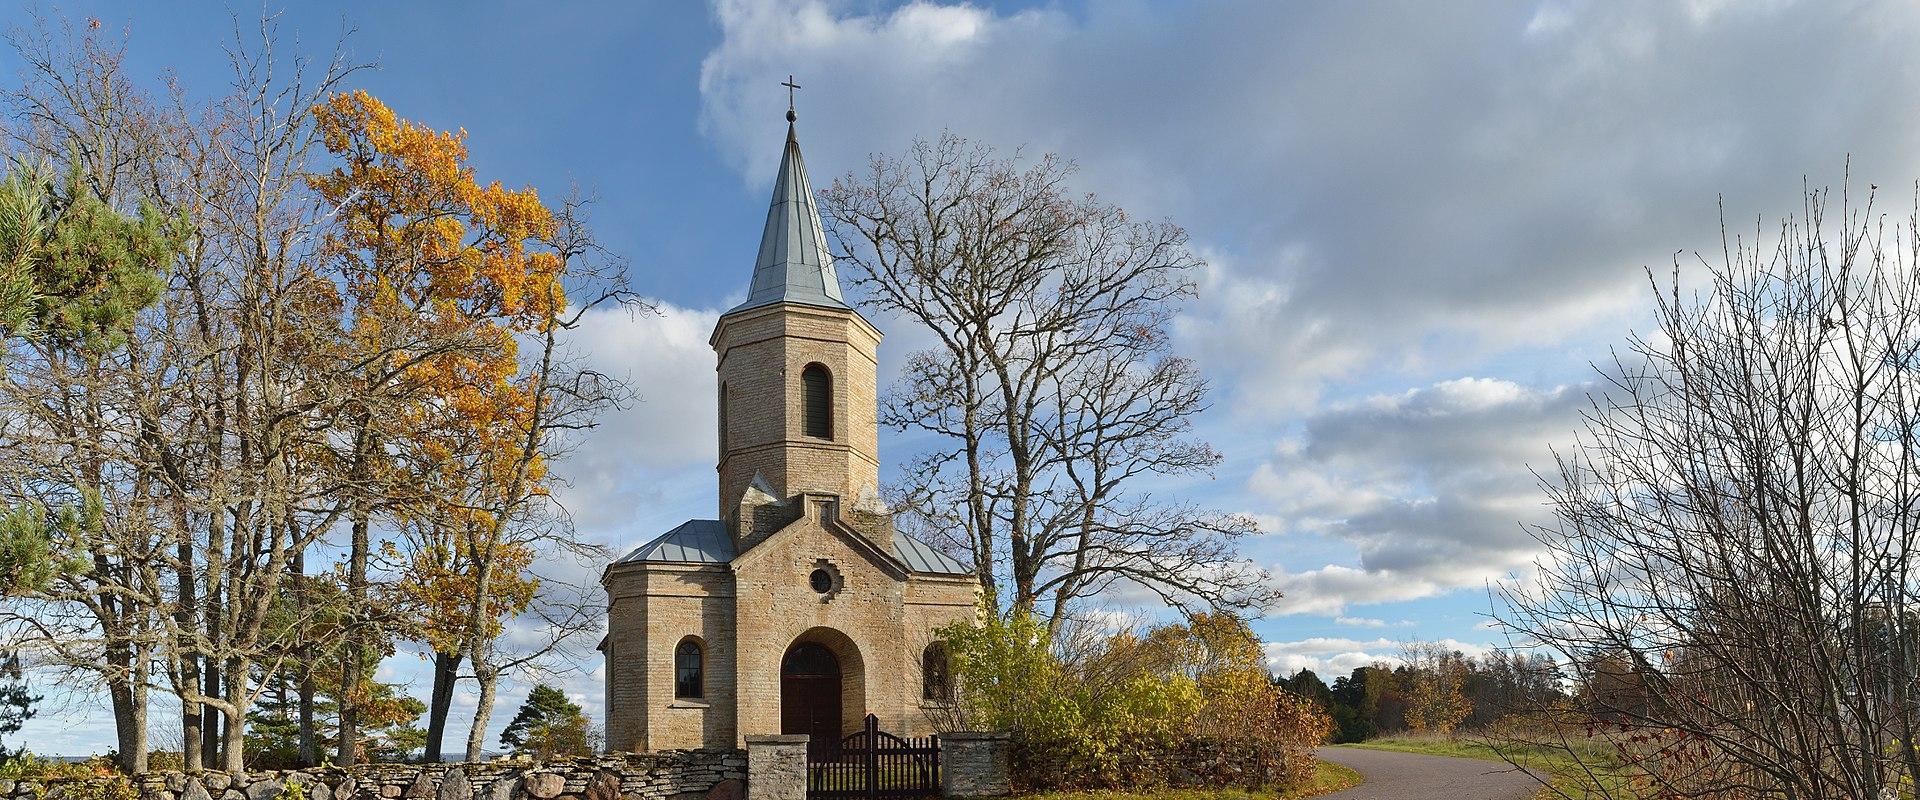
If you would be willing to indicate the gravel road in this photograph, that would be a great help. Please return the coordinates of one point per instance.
(1411, 776)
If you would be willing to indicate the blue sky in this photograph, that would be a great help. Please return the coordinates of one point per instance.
(1423, 220)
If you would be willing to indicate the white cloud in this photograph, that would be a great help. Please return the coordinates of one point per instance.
(1431, 486)
(1332, 588)
(1331, 657)
(663, 436)
(1466, 181)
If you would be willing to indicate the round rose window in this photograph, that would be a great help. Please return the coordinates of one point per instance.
(821, 580)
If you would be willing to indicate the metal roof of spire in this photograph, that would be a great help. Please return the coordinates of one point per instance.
(794, 266)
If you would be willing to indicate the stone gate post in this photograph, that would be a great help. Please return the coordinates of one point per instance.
(975, 764)
(777, 767)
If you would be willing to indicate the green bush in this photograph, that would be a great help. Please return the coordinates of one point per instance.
(29, 767)
(1127, 711)
(93, 779)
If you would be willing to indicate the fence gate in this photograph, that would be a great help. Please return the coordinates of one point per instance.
(874, 764)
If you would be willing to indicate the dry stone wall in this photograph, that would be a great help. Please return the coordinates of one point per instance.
(663, 775)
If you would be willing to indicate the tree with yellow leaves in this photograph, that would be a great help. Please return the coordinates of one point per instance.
(1436, 678)
(448, 278)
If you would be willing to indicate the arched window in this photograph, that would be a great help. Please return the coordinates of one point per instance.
(816, 389)
(936, 681)
(689, 670)
(723, 420)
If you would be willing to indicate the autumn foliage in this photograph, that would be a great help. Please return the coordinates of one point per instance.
(1188, 702)
(283, 379)
(446, 277)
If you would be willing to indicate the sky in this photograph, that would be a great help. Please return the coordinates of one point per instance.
(1423, 223)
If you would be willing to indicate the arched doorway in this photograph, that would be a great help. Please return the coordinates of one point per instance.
(810, 696)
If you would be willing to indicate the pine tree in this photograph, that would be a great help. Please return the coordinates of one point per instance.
(16, 702)
(547, 724)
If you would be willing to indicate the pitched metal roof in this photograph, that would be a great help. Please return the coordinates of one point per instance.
(705, 541)
(794, 265)
(696, 541)
(921, 557)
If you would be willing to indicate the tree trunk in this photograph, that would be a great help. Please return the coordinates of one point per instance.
(309, 744)
(190, 759)
(487, 677)
(211, 717)
(446, 669)
(187, 621)
(129, 715)
(309, 754)
(234, 748)
(344, 750)
(353, 655)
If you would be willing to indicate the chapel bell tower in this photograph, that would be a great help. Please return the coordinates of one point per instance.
(796, 368)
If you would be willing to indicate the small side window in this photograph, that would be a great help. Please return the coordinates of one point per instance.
(936, 682)
(689, 670)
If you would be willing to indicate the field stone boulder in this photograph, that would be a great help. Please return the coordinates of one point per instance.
(455, 786)
(422, 787)
(345, 788)
(544, 785)
(604, 786)
(264, 789)
(195, 790)
(500, 789)
(217, 782)
(729, 789)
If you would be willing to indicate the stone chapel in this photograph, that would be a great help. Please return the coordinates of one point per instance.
(801, 609)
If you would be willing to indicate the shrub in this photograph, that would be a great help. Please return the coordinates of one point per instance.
(29, 767)
(1133, 711)
(93, 779)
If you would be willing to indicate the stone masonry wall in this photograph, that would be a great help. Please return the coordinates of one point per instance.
(664, 775)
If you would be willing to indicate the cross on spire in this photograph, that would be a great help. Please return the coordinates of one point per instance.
(790, 87)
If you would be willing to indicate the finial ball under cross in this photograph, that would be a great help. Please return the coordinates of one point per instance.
(790, 87)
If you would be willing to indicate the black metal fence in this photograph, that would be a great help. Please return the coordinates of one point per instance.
(874, 764)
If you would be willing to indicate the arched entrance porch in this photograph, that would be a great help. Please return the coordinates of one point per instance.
(822, 688)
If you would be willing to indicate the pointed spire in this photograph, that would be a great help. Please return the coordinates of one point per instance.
(794, 266)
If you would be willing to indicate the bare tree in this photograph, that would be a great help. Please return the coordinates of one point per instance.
(1732, 566)
(65, 406)
(328, 358)
(1051, 380)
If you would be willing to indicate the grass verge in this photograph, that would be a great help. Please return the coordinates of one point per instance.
(1328, 778)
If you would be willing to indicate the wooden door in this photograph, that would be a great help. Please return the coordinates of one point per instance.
(810, 698)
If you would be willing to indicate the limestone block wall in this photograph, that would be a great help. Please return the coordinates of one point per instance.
(777, 767)
(761, 355)
(930, 603)
(860, 621)
(667, 775)
(651, 609)
(975, 765)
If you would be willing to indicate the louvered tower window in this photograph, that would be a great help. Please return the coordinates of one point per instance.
(816, 389)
